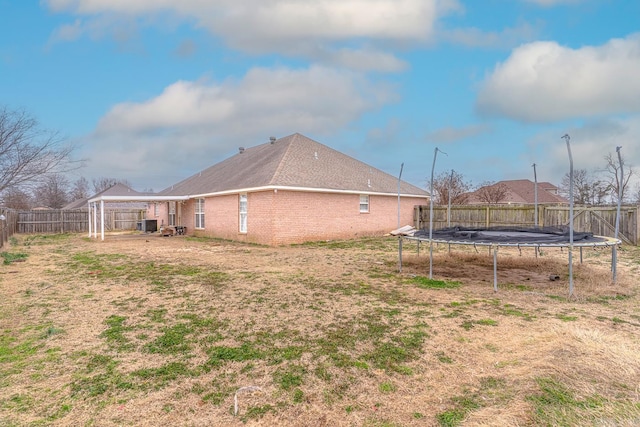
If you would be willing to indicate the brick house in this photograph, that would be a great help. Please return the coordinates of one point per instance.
(288, 190)
(522, 191)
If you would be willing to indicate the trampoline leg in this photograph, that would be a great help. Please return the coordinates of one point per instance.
(400, 255)
(614, 262)
(495, 269)
(580, 254)
(430, 259)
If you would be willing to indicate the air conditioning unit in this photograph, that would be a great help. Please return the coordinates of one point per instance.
(148, 225)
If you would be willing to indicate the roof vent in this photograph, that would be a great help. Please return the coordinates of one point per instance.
(241, 149)
(272, 139)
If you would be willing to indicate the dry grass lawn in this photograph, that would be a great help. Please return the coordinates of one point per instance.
(142, 330)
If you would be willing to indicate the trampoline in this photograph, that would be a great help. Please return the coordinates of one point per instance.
(496, 237)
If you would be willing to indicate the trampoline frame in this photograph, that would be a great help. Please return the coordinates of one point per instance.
(606, 242)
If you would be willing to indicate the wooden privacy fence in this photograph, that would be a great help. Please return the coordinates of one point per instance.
(599, 220)
(75, 221)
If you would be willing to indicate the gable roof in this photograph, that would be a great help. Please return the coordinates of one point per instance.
(116, 191)
(293, 162)
(522, 191)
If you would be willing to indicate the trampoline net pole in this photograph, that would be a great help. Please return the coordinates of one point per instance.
(614, 251)
(567, 138)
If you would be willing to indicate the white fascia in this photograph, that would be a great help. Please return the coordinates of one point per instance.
(305, 189)
(138, 198)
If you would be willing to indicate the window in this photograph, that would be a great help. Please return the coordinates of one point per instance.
(243, 213)
(199, 213)
(364, 203)
(155, 209)
(172, 213)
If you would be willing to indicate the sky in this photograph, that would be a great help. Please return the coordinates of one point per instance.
(153, 91)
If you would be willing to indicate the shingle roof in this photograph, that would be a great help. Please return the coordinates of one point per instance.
(523, 191)
(294, 161)
(117, 189)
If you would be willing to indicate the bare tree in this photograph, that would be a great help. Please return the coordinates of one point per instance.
(612, 174)
(28, 153)
(53, 192)
(15, 198)
(587, 188)
(492, 193)
(102, 183)
(79, 189)
(451, 182)
(636, 195)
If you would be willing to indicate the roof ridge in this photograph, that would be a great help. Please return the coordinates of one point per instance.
(281, 164)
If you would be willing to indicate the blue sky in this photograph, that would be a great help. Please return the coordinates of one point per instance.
(153, 91)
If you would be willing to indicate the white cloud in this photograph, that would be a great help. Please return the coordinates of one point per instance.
(589, 143)
(192, 124)
(544, 81)
(293, 27)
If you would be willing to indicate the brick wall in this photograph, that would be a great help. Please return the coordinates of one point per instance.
(285, 217)
(301, 217)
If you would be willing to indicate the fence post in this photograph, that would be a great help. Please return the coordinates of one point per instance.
(488, 221)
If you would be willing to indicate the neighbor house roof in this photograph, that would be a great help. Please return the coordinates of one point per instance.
(522, 191)
(293, 162)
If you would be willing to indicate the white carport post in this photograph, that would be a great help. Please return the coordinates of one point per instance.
(89, 213)
(102, 219)
(95, 221)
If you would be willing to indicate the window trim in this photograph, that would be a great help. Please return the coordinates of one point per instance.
(365, 203)
(199, 213)
(171, 209)
(243, 215)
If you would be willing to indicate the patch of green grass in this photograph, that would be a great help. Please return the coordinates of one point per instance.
(566, 318)
(172, 341)
(46, 239)
(51, 331)
(217, 391)
(365, 243)
(387, 387)
(492, 390)
(511, 310)
(157, 315)
(18, 403)
(220, 354)
(451, 418)
(298, 396)
(426, 283)
(159, 377)
(214, 279)
(289, 377)
(470, 324)
(256, 412)
(557, 404)
(322, 372)
(606, 299)
(10, 257)
(443, 358)
(115, 333)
